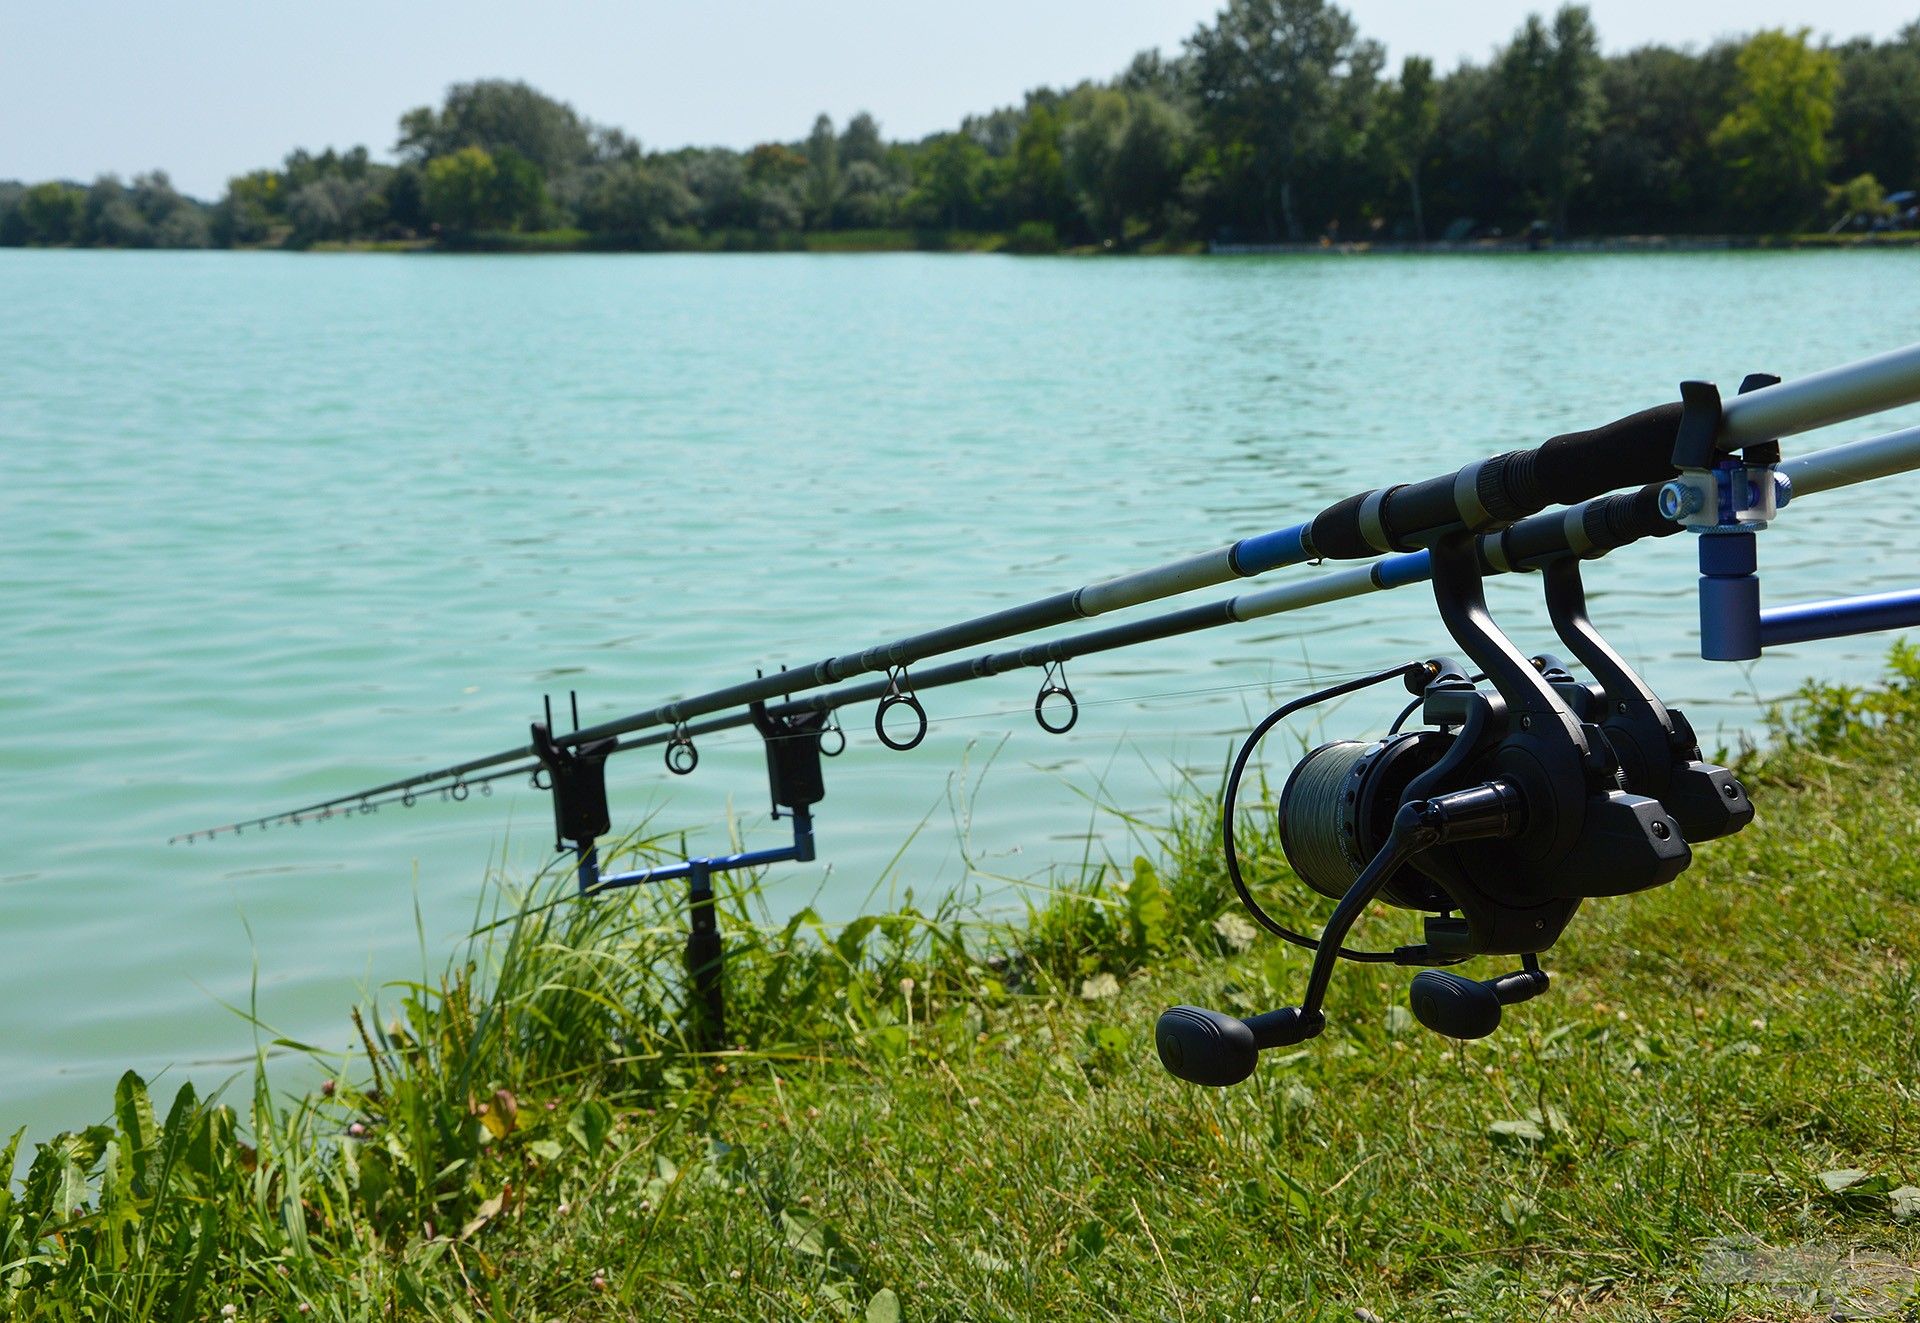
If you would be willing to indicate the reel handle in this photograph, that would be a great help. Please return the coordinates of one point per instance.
(1212, 1048)
(1459, 1007)
(1215, 1049)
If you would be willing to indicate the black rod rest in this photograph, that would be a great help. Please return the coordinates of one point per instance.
(795, 783)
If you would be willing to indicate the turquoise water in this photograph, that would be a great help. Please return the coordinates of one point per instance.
(277, 527)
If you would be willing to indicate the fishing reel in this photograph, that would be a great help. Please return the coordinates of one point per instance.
(1509, 806)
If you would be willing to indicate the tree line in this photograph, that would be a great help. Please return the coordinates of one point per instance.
(1277, 121)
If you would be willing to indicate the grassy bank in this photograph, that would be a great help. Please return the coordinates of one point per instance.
(939, 1115)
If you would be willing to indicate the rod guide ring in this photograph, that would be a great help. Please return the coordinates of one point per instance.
(1053, 683)
(681, 757)
(834, 728)
(899, 694)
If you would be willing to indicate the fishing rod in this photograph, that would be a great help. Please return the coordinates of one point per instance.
(1484, 494)
(1677, 451)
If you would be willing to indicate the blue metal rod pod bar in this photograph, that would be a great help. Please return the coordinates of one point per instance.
(1805, 622)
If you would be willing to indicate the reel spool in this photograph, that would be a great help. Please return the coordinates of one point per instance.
(1337, 808)
(1494, 821)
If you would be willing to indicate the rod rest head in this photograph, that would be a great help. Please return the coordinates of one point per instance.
(579, 787)
(793, 756)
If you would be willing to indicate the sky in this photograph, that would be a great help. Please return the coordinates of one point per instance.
(206, 89)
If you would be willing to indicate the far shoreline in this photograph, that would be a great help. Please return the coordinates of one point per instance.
(987, 242)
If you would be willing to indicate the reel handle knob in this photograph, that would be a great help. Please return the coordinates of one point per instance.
(1459, 1007)
(1215, 1049)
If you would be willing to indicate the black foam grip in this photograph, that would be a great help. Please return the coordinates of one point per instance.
(1579, 466)
(1533, 540)
(1572, 467)
(1630, 518)
(1335, 531)
(1417, 508)
(1606, 524)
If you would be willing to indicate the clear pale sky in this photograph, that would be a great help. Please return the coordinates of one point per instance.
(208, 88)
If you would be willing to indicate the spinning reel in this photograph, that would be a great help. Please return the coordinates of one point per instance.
(1495, 819)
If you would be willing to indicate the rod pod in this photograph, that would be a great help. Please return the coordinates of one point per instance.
(577, 781)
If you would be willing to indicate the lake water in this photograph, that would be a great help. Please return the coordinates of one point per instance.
(277, 527)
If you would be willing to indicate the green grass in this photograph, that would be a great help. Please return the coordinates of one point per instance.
(861, 241)
(936, 1115)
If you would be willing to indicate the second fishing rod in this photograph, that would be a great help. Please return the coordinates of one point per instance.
(1486, 494)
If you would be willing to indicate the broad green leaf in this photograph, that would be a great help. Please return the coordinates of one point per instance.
(485, 1213)
(854, 937)
(811, 1235)
(133, 1109)
(1518, 1133)
(1299, 1197)
(884, 1307)
(8, 1156)
(71, 1193)
(590, 1124)
(1147, 908)
(1850, 1183)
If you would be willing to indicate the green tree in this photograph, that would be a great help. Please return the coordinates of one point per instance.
(112, 218)
(1125, 157)
(493, 115)
(1876, 116)
(1549, 85)
(472, 189)
(1774, 140)
(1650, 168)
(949, 173)
(868, 196)
(335, 206)
(823, 173)
(638, 202)
(13, 229)
(775, 163)
(457, 189)
(1408, 117)
(1269, 75)
(1858, 201)
(254, 204)
(862, 142)
(1038, 185)
(54, 213)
